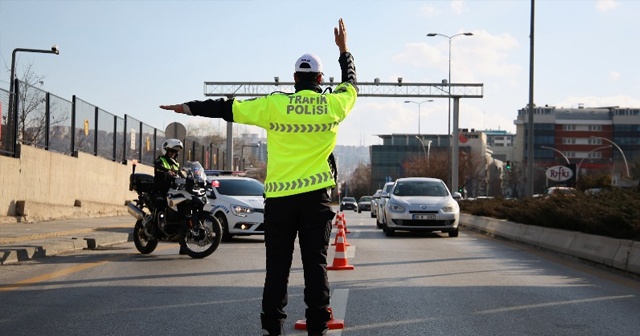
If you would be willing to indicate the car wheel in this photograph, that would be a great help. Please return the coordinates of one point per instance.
(372, 215)
(378, 223)
(453, 233)
(359, 210)
(389, 232)
(226, 235)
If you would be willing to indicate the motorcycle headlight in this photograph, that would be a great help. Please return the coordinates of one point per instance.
(240, 210)
(451, 207)
(393, 207)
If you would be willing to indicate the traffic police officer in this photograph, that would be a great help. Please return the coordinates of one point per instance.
(166, 168)
(301, 134)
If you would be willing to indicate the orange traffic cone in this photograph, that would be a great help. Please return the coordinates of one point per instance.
(340, 261)
(333, 323)
(336, 220)
(340, 233)
(344, 224)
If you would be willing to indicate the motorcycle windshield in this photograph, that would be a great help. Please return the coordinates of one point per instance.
(195, 170)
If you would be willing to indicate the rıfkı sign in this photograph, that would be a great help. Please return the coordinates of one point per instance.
(559, 173)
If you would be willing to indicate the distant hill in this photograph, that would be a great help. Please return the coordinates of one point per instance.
(349, 157)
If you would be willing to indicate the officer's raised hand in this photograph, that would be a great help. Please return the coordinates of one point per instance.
(340, 34)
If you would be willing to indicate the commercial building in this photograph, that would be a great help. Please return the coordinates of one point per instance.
(480, 170)
(596, 140)
(603, 139)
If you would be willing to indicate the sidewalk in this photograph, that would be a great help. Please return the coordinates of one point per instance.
(26, 241)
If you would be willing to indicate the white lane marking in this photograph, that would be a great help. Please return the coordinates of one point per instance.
(351, 251)
(339, 308)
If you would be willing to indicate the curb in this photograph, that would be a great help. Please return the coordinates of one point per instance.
(34, 249)
(621, 254)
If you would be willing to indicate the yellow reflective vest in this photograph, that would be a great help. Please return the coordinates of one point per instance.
(302, 129)
(175, 166)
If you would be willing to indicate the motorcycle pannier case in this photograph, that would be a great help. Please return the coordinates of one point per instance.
(141, 182)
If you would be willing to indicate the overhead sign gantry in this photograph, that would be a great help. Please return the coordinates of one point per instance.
(366, 89)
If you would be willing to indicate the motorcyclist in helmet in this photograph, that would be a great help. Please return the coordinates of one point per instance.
(166, 167)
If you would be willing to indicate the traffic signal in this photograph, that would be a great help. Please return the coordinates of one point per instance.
(508, 165)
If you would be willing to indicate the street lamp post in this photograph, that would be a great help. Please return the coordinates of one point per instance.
(242, 153)
(418, 103)
(427, 151)
(621, 152)
(449, 76)
(422, 143)
(454, 143)
(13, 114)
(557, 151)
(591, 151)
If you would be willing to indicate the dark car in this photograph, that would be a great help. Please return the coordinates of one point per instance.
(348, 203)
(364, 203)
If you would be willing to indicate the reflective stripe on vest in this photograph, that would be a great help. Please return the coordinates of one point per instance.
(301, 128)
(168, 165)
(299, 183)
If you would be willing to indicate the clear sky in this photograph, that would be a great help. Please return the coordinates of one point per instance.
(128, 57)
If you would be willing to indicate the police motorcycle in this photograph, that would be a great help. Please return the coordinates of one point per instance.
(186, 220)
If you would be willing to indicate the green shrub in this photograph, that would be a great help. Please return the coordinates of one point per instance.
(612, 213)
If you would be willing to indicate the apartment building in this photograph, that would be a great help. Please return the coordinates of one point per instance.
(595, 139)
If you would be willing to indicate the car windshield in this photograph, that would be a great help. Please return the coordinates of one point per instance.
(365, 199)
(348, 199)
(240, 187)
(420, 188)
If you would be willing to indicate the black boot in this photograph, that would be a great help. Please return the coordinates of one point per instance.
(183, 250)
(270, 328)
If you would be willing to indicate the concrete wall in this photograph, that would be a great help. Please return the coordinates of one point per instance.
(43, 185)
(617, 253)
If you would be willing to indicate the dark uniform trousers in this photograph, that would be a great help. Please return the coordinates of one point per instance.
(309, 216)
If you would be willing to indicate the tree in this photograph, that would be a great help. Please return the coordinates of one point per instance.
(512, 180)
(360, 181)
(32, 106)
(472, 174)
(206, 133)
(634, 170)
(435, 165)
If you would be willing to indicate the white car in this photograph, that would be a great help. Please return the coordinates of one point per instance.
(237, 202)
(374, 203)
(421, 204)
(384, 196)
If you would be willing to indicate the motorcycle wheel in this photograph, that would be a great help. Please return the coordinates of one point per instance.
(206, 242)
(144, 244)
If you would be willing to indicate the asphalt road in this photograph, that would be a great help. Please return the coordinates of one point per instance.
(404, 285)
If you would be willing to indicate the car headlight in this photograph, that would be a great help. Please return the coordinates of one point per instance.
(240, 210)
(451, 207)
(393, 207)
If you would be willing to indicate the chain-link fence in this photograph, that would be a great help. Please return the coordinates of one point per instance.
(53, 123)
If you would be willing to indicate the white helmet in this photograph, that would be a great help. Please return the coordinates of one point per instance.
(173, 144)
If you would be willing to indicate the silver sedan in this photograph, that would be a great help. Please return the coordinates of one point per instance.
(421, 204)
